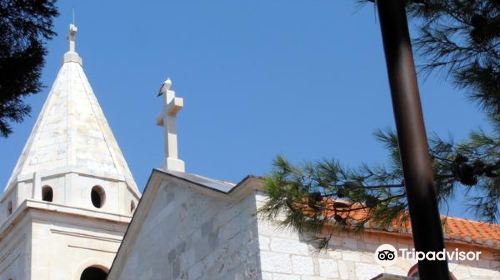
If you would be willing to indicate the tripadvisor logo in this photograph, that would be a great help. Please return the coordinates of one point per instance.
(387, 255)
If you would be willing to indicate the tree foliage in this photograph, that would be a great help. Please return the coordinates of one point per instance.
(24, 27)
(314, 195)
(460, 37)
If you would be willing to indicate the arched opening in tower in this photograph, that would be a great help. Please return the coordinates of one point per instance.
(93, 273)
(47, 194)
(97, 196)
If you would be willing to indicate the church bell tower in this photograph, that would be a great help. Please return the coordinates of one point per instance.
(71, 194)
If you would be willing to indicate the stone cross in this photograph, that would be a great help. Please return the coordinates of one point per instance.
(171, 106)
(71, 55)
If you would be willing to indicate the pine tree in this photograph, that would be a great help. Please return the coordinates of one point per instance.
(314, 195)
(24, 27)
(460, 37)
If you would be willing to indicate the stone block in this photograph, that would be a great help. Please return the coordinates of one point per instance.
(275, 262)
(395, 270)
(302, 265)
(289, 246)
(480, 272)
(351, 256)
(346, 269)
(279, 276)
(367, 271)
(312, 278)
(267, 276)
(367, 257)
(264, 243)
(460, 271)
(334, 254)
(328, 268)
(268, 228)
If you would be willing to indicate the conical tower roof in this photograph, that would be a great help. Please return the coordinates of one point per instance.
(71, 133)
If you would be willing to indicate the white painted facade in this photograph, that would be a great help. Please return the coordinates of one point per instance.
(186, 228)
(71, 194)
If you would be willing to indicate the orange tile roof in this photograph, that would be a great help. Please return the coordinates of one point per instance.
(455, 229)
(485, 234)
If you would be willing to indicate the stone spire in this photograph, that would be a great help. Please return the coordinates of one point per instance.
(168, 117)
(71, 134)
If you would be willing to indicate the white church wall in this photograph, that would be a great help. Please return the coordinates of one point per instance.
(23, 190)
(8, 204)
(190, 235)
(75, 189)
(130, 201)
(15, 251)
(287, 255)
(71, 189)
(58, 185)
(64, 245)
(82, 189)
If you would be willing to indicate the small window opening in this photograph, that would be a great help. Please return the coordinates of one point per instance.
(97, 196)
(9, 207)
(47, 194)
(132, 206)
(93, 273)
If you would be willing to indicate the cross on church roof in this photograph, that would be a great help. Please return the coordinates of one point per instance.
(71, 55)
(171, 106)
(72, 37)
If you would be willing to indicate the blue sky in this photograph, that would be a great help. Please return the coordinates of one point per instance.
(305, 79)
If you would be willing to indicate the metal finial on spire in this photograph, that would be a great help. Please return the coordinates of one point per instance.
(72, 37)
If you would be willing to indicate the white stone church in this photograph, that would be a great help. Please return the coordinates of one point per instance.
(71, 210)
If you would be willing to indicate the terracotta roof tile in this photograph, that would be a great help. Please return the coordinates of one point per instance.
(472, 232)
(455, 229)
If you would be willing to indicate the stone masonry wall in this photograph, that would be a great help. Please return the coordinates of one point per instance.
(285, 255)
(15, 251)
(190, 235)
